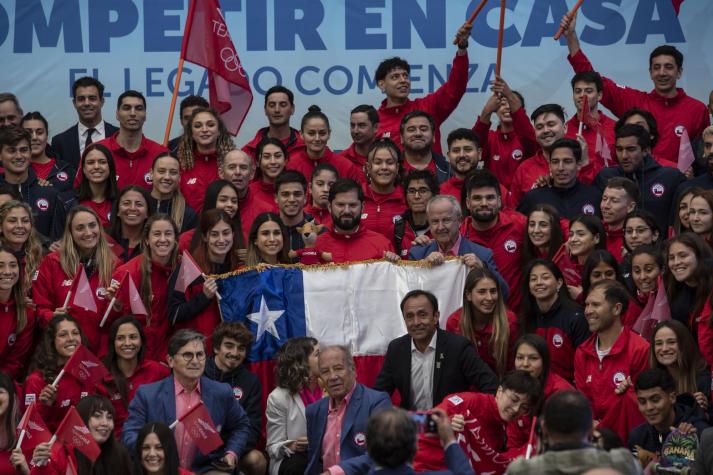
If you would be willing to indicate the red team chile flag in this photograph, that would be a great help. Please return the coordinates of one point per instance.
(34, 428)
(74, 434)
(207, 43)
(82, 294)
(86, 367)
(200, 427)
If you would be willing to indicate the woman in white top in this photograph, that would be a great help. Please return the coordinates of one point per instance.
(297, 387)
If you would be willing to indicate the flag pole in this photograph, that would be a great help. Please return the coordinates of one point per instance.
(570, 14)
(498, 62)
(472, 16)
(179, 72)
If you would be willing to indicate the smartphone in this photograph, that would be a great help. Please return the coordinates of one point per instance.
(425, 424)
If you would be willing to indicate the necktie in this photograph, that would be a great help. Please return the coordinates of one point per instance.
(90, 132)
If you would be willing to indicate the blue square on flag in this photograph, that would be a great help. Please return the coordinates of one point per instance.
(270, 304)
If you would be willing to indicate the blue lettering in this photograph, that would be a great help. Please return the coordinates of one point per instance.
(612, 22)
(260, 72)
(298, 81)
(102, 29)
(365, 78)
(539, 26)
(288, 26)
(30, 16)
(489, 77)
(472, 68)
(487, 36)
(4, 25)
(358, 20)
(203, 86)
(172, 82)
(434, 75)
(644, 24)
(256, 23)
(328, 83)
(75, 74)
(127, 79)
(414, 78)
(157, 23)
(151, 82)
(430, 25)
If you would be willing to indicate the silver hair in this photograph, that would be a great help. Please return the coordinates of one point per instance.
(348, 357)
(450, 199)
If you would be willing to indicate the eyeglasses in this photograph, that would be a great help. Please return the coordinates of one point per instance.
(188, 356)
(418, 191)
(640, 230)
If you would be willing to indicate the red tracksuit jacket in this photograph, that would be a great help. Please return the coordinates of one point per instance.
(195, 181)
(251, 206)
(380, 209)
(359, 246)
(301, 162)
(15, 347)
(353, 156)
(263, 192)
(293, 142)
(49, 292)
(438, 104)
(671, 114)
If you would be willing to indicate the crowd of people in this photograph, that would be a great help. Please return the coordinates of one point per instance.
(584, 339)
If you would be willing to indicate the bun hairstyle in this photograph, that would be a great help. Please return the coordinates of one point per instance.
(314, 112)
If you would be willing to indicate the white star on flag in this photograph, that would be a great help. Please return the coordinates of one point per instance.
(265, 320)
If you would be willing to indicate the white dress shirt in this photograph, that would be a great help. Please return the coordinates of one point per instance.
(422, 375)
(99, 134)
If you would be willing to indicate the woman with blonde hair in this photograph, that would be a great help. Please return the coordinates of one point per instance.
(83, 243)
(19, 235)
(201, 150)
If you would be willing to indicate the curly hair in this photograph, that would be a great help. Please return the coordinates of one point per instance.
(46, 358)
(186, 147)
(292, 368)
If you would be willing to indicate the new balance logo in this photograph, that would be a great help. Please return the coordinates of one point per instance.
(192, 181)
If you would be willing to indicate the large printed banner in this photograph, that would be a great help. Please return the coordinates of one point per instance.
(327, 50)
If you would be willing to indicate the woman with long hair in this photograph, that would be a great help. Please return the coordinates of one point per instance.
(322, 179)
(548, 310)
(485, 320)
(156, 451)
(82, 243)
(128, 216)
(97, 189)
(544, 234)
(59, 342)
(56, 173)
(586, 233)
(222, 195)
(700, 215)
(681, 222)
(217, 253)
(689, 279)
(201, 151)
(19, 235)
(150, 272)
(673, 348)
(384, 198)
(98, 415)
(315, 132)
(271, 156)
(17, 320)
(128, 366)
(296, 379)
(640, 229)
(165, 194)
(12, 460)
(266, 241)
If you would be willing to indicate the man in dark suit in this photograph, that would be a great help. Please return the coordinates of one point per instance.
(336, 425)
(171, 398)
(444, 220)
(88, 99)
(428, 363)
(391, 440)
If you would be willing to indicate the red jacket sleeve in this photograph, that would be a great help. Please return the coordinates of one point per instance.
(43, 291)
(482, 131)
(443, 101)
(16, 359)
(705, 338)
(525, 132)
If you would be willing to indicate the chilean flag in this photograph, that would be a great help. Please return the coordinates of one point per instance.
(355, 305)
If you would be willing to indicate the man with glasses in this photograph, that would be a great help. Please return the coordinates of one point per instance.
(171, 398)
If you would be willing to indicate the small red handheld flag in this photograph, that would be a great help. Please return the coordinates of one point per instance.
(73, 433)
(129, 293)
(200, 427)
(82, 294)
(565, 263)
(685, 152)
(86, 367)
(656, 310)
(207, 43)
(34, 429)
(188, 272)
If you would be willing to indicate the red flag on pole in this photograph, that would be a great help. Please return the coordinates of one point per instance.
(33, 430)
(71, 469)
(602, 149)
(82, 293)
(200, 427)
(207, 43)
(685, 152)
(74, 434)
(188, 272)
(86, 367)
(571, 274)
(129, 293)
(655, 311)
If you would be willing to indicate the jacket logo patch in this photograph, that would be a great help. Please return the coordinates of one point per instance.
(62, 176)
(557, 340)
(360, 439)
(510, 246)
(588, 209)
(67, 283)
(455, 399)
(148, 179)
(43, 204)
(517, 154)
(678, 130)
(11, 339)
(657, 189)
(192, 181)
(238, 392)
(618, 378)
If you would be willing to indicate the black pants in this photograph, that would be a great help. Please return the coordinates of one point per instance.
(294, 465)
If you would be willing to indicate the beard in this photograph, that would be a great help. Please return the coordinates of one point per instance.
(484, 216)
(347, 223)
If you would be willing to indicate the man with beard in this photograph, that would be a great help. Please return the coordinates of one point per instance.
(291, 198)
(347, 241)
(239, 169)
(279, 107)
(417, 139)
(444, 218)
(363, 123)
(549, 127)
(88, 100)
(565, 192)
(464, 155)
(492, 226)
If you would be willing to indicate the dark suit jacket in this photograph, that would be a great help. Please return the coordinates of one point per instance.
(466, 247)
(157, 402)
(457, 368)
(704, 457)
(456, 461)
(66, 144)
(363, 403)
